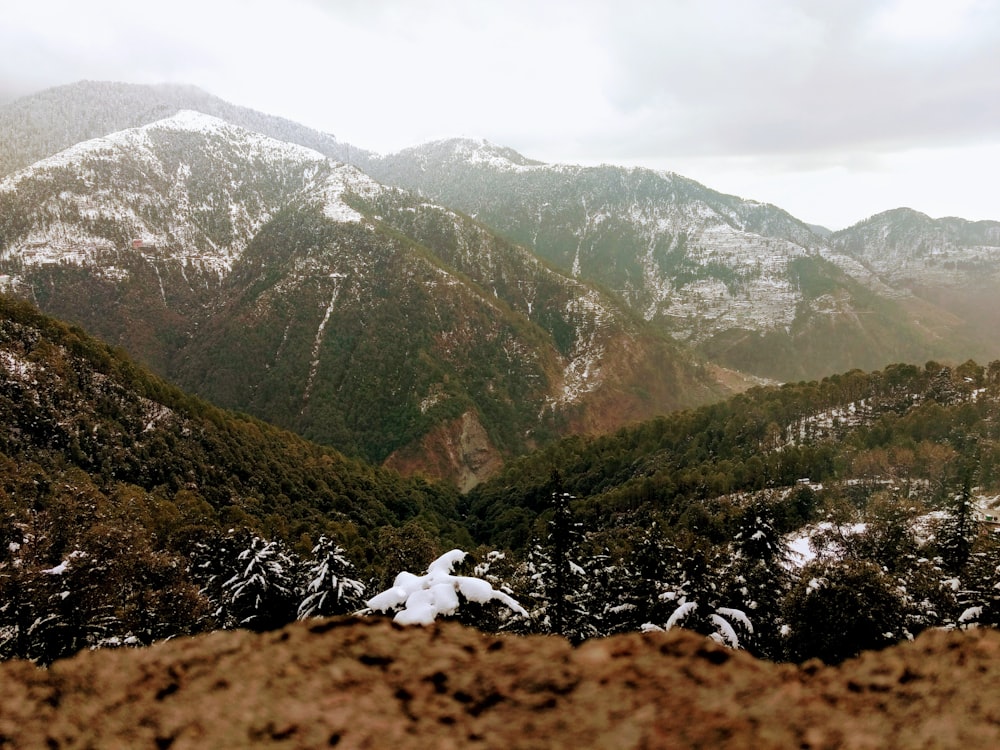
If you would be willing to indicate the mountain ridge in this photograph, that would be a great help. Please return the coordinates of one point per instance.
(737, 283)
(708, 268)
(189, 230)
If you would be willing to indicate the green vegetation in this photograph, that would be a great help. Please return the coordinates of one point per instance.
(82, 420)
(130, 511)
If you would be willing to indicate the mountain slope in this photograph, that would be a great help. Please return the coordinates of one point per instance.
(37, 126)
(264, 276)
(750, 285)
(80, 420)
(908, 247)
(948, 264)
(903, 426)
(720, 273)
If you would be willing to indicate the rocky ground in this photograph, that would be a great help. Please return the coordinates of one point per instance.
(353, 683)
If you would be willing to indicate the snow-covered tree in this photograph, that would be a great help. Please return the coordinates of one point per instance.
(419, 600)
(696, 597)
(558, 574)
(250, 582)
(331, 587)
(633, 597)
(959, 529)
(978, 592)
(757, 578)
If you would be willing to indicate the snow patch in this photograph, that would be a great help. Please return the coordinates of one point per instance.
(419, 600)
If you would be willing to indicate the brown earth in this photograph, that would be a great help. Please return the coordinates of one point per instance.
(369, 684)
(459, 451)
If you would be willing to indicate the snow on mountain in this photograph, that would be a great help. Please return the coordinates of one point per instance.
(672, 248)
(745, 283)
(904, 246)
(191, 188)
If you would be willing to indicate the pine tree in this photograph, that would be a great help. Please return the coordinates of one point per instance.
(697, 597)
(248, 581)
(960, 528)
(644, 572)
(261, 594)
(558, 576)
(758, 580)
(331, 587)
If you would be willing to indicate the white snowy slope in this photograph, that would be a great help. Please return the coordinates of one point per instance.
(904, 245)
(190, 187)
(697, 259)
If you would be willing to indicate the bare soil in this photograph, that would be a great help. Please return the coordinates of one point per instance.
(366, 683)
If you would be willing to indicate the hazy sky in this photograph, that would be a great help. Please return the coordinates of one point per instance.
(831, 109)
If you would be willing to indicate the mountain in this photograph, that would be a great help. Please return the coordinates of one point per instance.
(748, 285)
(265, 277)
(88, 435)
(37, 126)
(949, 264)
(906, 247)
(913, 432)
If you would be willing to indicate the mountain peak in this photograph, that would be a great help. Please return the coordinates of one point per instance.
(474, 151)
(190, 119)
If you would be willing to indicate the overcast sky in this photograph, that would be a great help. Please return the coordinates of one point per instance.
(831, 109)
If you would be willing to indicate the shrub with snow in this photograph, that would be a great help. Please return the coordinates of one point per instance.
(419, 600)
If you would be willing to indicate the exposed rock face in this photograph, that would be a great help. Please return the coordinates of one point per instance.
(367, 683)
(460, 450)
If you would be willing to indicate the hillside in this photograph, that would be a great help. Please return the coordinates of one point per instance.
(750, 286)
(951, 264)
(121, 498)
(368, 684)
(859, 433)
(37, 126)
(263, 276)
(134, 513)
(77, 413)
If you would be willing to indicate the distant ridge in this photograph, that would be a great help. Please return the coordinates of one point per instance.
(268, 278)
(41, 124)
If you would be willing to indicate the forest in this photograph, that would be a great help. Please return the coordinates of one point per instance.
(814, 519)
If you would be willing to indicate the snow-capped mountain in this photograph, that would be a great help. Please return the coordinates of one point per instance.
(178, 189)
(905, 247)
(268, 278)
(183, 228)
(45, 123)
(744, 281)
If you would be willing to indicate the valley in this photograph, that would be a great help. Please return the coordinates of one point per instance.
(243, 361)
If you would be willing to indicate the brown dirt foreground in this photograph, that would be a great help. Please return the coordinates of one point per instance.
(352, 683)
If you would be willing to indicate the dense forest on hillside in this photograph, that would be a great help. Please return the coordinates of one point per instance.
(121, 479)
(903, 423)
(811, 519)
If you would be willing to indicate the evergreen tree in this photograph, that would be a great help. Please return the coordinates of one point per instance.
(960, 527)
(697, 595)
(838, 609)
(758, 578)
(645, 572)
(261, 593)
(331, 587)
(247, 581)
(558, 576)
(213, 562)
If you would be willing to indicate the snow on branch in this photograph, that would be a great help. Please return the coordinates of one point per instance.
(419, 600)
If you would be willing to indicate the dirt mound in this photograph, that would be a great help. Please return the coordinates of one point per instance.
(370, 684)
